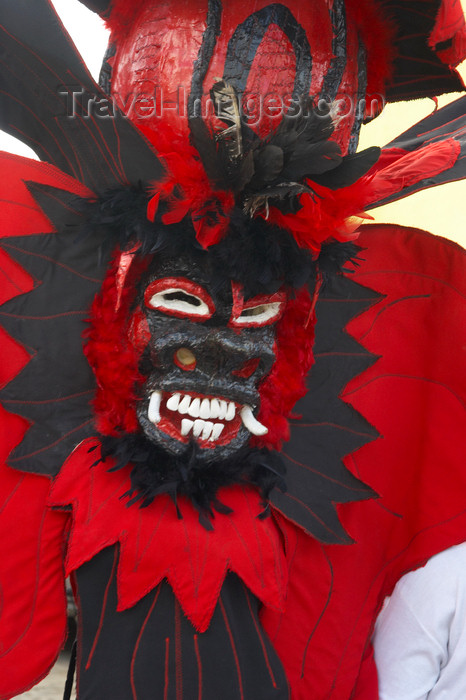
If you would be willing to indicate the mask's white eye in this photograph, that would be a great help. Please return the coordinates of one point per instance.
(179, 297)
(260, 311)
(175, 299)
(261, 314)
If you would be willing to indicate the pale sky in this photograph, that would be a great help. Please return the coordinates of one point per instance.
(441, 210)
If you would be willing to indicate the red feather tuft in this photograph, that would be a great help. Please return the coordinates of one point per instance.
(187, 190)
(285, 384)
(326, 215)
(112, 357)
(122, 15)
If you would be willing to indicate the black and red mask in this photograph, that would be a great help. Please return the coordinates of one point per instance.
(196, 369)
(204, 353)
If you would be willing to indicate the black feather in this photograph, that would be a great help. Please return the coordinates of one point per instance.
(227, 108)
(154, 471)
(260, 256)
(351, 168)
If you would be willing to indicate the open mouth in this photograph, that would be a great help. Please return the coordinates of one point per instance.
(210, 420)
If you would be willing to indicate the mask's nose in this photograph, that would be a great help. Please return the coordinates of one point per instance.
(185, 359)
(225, 352)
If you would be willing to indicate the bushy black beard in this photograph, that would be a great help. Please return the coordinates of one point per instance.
(154, 471)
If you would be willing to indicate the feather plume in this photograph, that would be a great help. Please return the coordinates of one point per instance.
(227, 109)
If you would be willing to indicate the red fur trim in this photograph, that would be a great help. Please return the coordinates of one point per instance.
(285, 384)
(112, 357)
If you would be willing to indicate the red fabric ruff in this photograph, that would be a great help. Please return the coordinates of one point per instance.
(192, 559)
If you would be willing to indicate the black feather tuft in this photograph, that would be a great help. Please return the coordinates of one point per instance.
(260, 256)
(335, 256)
(154, 471)
(256, 254)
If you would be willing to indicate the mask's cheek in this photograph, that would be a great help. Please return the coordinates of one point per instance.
(138, 331)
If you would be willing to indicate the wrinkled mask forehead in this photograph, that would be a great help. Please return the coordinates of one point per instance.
(204, 350)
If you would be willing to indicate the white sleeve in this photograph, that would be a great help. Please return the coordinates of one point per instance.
(411, 635)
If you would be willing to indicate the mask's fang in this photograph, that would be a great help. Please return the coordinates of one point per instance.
(154, 407)
(251, 423)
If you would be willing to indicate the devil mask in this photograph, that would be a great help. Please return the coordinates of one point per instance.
(191, 349)
(206, 353)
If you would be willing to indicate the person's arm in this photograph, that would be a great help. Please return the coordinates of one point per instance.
(411, 636)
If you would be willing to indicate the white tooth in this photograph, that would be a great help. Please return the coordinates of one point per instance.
(153, 412)
(205, 411)
(214, 408)
(186, 426)
(198, 427)
(184, 404)
(251, 423)
(231, 411)
(173, 402)
(223, 409)
(194, 408)
(207, 430)
(216, 431)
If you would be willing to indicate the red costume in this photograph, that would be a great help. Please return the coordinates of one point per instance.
(223, 539)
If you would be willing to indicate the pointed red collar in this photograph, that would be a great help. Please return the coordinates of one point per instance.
(155, 543)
